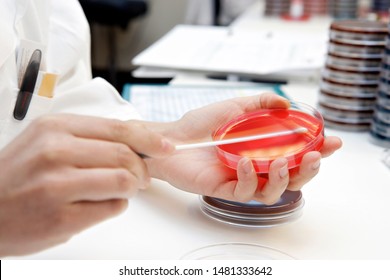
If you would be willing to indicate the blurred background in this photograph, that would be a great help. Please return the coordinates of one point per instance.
(123, 28)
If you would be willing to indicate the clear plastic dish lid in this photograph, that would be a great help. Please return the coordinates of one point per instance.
(236, 251)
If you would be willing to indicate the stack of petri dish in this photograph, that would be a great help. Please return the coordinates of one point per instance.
(343, 9)
(316, 7)
(276, 8)
(380, 126)
(351, 74)
(262, 152)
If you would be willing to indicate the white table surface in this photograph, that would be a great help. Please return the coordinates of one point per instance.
(346, 213)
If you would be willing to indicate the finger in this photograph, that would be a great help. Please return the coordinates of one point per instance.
(308, 168)
(132, 134)
(331, 144)
(278, 178)
(96, 184)
(90, 153)
(273, 101)
(247, 181)
(266, 100)
(85, 214)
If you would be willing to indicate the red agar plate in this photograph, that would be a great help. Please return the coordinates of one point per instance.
(262, 152)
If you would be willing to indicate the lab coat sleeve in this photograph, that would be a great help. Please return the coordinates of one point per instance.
(68, 54)
(94, 98)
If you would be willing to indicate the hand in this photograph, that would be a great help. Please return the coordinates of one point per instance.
(200, 171)
(65, 173)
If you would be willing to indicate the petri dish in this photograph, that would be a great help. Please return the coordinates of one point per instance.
(361, 103)
(236, 251)
(379, 139)
(254, 214)
(386, 56)
(384, 82)
(348, 89)
(383, 100)
(262, 152)
(348, 76)
(353, 63)
(382, 114)
(385, 74)
(359, 32)
(379, 127)
(343, 115)
(343, 126)
(276, 8)
(348, 50)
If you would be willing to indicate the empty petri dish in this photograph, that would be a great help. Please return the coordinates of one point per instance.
(236, 251)
(262, 152)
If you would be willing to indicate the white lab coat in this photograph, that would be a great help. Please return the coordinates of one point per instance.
(60, 26)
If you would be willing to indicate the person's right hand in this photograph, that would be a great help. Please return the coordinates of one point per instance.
(65, 173)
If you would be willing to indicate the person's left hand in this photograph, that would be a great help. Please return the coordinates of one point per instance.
(200, 171)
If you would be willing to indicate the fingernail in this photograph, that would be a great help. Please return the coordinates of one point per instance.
(247, 166)
(316, 165)
(283, 172)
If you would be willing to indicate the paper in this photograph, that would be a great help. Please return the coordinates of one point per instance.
(219, 49)
(169, 103)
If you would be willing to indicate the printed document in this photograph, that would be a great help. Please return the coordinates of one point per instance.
(219, 49)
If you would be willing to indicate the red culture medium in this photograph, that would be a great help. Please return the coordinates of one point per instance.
(263, 152)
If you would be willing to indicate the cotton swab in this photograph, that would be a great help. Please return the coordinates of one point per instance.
(240, 139)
